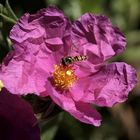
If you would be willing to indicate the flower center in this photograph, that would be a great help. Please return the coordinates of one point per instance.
(63, 77)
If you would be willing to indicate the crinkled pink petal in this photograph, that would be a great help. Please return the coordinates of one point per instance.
(80, 110)
(27, 29)
(110, 85)
(23, 74)
(48, 27)
(39, 42)
(55, 42)
(79, 88)
(95, 37)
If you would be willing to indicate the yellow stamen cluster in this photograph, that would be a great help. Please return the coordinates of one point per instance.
(63, 77)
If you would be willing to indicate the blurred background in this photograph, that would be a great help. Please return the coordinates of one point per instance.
(121, 122)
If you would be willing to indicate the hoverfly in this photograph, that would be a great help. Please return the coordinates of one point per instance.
(65, 61)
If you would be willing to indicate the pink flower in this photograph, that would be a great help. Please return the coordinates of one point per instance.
(40, 43)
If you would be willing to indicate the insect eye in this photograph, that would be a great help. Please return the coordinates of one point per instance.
(69, 60)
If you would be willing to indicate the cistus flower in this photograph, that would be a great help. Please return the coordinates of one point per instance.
(41, 41)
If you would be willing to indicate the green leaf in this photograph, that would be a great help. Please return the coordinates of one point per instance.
(10, 11)
(1, 7)
(3, 10)
(50, 133)
(7, 19)
(49, 128)
(0, 25)
(7, 14)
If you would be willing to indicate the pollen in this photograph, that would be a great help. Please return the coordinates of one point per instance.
(63, 76)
